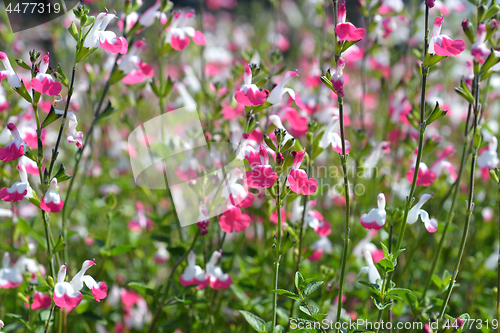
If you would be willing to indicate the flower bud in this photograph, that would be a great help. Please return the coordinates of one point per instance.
(279, 159)
(312, 126)
(491, 28)
(50, 281)
(430, 3)
(493, 175)
(481, 10)
(468, 30)
(34, 55)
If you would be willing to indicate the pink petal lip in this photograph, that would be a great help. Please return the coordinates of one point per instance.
(370, 224)
(15, 196)
(219, 284)
(262, 176)
(9, 285)
(51, 207)
(67, 302)
(449, 47)
(11, 152)
(347, 31)
(178, 43)
(100, 292)
(201, 283)
(299, 183)
(116, 45)
(251, 98)
(46, 86)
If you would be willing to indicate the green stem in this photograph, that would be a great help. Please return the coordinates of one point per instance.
(278, 259)
(470, 203)
(498, 271)
(167, 286)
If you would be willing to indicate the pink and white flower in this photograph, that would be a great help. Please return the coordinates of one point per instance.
(338, 77)
(375, 219)
(45, 83)
(331, 137)
(40, 301)
(370, 269)
(237, 194)
(298, 180)
(427, 176)
(479, 49)
(249, 94)
(321, 246)
(443, 45)
(147, 19)
(346, 31)
(52, 201)
(133, 67)
(67, 295)
(262, 176)
(19, 190)
(489, 158)
(71, 133)
(141, 221)
(194, 274)
(416, 211)
(8, 73)
(178, 33)
(15, 148)
(9, 276)
(218, 279)
(107, 40)
(277, 93)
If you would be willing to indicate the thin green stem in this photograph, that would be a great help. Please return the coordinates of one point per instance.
(470, 203)
(163, 299)
(498, 270)
(278, 259)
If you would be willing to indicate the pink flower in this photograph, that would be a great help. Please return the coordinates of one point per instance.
(277, 93)
(147, 19)
(346, 30)
(71, 133)
(233, 220)
(194, 274)
(318, 223)
(338, 77)
(320, 246)
(140, 222)
(97, 36)
(297, 122)
(15, 148)
(331, 137)
(67, 295)
(425, 175)
(298, 180)
(442, 164)
(237, 194)
(262, 176)
(375, 219)
(52, 202)
(40, 301)
(133, 67)
(19, 190)
(218, 279)
(249, 94)
(479, 49)
(178, 34)
(9, 276)
(416, 211)
(9, 73)
(443, 45)
(44, 83)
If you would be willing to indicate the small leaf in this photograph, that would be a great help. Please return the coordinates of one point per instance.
(491, 61)
(51, 117)
(142, 288)
(314, 309)
(436, 114)
(298, 280)
(121, 249)
(312, 287)
(61, 174)
(256, 322)
(399, 291)
(464, 91)
(379, 304)
(22, 64)
(20, 318)
(62, 77)
(286, 293)
(386, 265)
(60, 244)
(108, 111)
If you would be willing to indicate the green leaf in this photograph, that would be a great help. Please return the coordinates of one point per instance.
(491, 61)
(312, 287)
(399, 291)
(20, 318)
(108, 111)
(73, 31)
(298, 280)
(261, 107)
(314, 309)
(379, 304)
(286, 293)
(22, 64)
(61, 174)
(287, 244)
(121, 249)
(62, 77)
(60, 245)
(386, 265)
(436, 114)
(142, 288)
(464, 91)
(51, 117)
(256, 322)
(23, 92)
